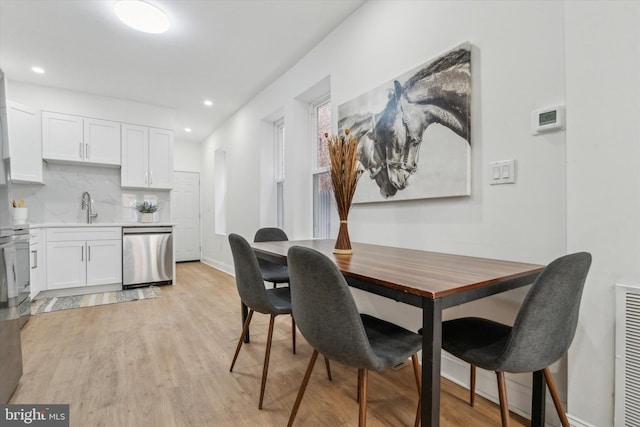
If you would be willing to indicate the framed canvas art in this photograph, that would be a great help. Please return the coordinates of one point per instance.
(414, 132)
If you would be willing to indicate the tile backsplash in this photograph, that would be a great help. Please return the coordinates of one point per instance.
(60, 199)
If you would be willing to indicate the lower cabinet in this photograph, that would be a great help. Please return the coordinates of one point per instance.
(83, 257)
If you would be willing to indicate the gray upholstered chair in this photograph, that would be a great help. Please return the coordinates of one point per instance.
(542, 332)
(328, 318)
(253, 293)
(272, 272)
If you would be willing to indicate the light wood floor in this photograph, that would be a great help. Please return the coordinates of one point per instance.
(165, 362)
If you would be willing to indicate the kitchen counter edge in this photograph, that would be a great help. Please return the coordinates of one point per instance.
(99, 224)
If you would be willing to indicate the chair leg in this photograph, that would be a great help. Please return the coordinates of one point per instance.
(245, 328)
(504, 406)
(472, 386)
(358, 387)
(556, 397)
(418, 373)
(303, 387)
(326, 363)
(362, 392)
(293, 333)
(267, 353)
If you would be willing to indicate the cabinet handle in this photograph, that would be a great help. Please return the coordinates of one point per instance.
(86, 151)
(89, 253)
(151, 177)
(80, 149)
(82, 253)
(146, 177)
(35, 259)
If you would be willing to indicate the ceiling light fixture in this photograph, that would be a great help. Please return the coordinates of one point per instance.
(208, 103)
(37, 70)
(142, 16)
(187, 130)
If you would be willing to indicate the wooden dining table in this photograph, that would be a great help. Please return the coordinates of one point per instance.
(432, 281)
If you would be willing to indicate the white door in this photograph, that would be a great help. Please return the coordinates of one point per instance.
(185, 213)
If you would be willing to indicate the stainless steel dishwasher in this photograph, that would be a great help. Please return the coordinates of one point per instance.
(147, 256)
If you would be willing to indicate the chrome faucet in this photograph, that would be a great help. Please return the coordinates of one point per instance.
(86, 205)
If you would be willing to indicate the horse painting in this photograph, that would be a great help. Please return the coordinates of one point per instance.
(390, 140)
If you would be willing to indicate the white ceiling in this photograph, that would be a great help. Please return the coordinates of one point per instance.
(223, 50)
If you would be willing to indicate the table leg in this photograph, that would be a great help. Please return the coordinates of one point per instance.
(431, 350)
(538, 399)
(245, 313)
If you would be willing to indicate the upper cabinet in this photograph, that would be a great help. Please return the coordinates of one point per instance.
(147, 157)
(102, 141)
(24, 147)
(68, 138)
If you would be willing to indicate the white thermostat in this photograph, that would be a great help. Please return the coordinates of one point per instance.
(547, 119)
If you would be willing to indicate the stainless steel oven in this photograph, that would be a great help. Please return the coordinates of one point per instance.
(15, 271)
(23, 267)
(14, 298)
(147, 256)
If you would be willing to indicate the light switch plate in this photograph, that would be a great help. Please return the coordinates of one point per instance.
(502, 172)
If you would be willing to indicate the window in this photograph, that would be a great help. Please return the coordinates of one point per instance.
(322, 191)
(220, 188)
(279, 171)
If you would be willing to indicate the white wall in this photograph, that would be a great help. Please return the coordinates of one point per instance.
(88, 105)
(512, 75)
(517, 66)
(187, 156)
(519, 60)
(603, 109)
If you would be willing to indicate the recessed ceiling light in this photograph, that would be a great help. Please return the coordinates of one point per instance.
(142, 16)
(187, 130)
(208, 103)
(37, 70)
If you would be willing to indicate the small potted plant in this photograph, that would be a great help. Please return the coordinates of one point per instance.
(147, 210)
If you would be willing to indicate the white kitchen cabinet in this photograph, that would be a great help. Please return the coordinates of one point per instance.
(147, 157)
(74, 139)
(24, 146)
(102, 141)
(160, 158)
(135, 156)
(83, 256)
(66, 266)
(104, 262)
(36, 257)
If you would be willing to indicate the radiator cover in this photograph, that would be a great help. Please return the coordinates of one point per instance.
(627, 364)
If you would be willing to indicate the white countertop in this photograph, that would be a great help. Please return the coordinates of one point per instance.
(97, 224)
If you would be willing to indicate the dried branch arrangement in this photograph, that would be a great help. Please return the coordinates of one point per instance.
(343, 153)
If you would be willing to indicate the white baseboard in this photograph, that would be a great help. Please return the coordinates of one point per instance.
(230, 270)
(518, 395)
(577, 422)
(218, 265)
